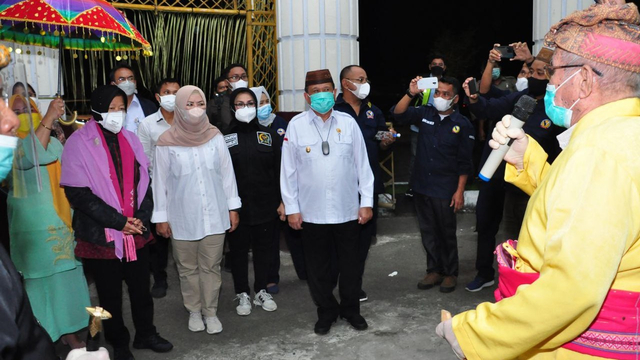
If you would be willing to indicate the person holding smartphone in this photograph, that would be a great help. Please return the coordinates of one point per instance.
(441, 170)
(437, 67)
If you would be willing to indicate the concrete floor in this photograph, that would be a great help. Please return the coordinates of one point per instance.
(401, 317)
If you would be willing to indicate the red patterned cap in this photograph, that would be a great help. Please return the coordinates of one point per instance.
(608, 34)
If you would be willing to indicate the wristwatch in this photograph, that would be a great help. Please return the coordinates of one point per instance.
(409, 94)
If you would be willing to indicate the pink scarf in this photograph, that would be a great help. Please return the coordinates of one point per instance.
(126, 197)
(87, 163)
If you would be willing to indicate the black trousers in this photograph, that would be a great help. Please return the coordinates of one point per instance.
(319, 241)
(497, 200)
(489, 210)
(367, 232)
(294, 243)
(159, 255)
(260, 239)
(273, 273)
(108, 275)
(438, 229)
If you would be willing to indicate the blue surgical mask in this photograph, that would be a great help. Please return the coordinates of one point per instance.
(264, 112)
(322, 102)
(7, 146)
(495, 73)
(559, 115)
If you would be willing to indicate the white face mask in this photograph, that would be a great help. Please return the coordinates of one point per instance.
(239, 84)
(361, 91)
(168, 102)
(246, 114)
(128, 87)
(441, 104)
(113, 121)
(522, 83)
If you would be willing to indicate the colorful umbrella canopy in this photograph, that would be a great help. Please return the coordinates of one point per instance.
(83, 25)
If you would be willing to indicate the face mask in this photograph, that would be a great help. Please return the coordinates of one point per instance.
(128, 87)
(537, 87)
(322, 102)
(239, 84)
(559, 115)
(441, 104)
(495, 73)
(168, 102)
(7, 147)
(113, 121)
(246, 114)
(264, 112)
(24, 122)
(196, 115)
(361, 91)
(437, 71)
(522, 83)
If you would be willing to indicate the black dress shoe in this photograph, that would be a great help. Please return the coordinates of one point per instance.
(322, 327)
(122, 353)
(154, 342)
(357, 321)
(159, 289)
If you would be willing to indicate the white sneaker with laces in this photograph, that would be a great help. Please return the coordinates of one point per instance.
(214, 325)
(264, 299)
(195, 321)
(244, 304)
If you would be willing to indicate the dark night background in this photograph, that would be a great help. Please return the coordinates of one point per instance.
(396, 40)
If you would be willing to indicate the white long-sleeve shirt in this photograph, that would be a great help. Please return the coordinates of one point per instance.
(324, 188)
(149, 131)
(194, 188)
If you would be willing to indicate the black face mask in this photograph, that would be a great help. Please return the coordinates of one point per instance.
(537, 87)
(437, 71)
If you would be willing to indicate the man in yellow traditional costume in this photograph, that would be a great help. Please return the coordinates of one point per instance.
(573, 289)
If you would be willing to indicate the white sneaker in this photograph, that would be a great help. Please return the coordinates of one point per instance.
(195, 321)
(244, 306)
(264, 299)
(214, 325)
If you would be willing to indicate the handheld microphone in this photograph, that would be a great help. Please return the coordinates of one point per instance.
(521, 112)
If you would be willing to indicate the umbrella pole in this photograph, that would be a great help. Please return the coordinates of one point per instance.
(60, 47)
(59, 95)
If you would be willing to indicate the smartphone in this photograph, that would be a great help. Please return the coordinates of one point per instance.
(473, 87)
(506, 52)
(428, 83)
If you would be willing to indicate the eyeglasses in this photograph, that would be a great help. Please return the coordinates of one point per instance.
(360, 80)
(122, 79)
(241, 105)
(238, 77)
(552, 69)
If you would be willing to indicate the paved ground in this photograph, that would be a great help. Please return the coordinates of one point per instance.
(401, 318)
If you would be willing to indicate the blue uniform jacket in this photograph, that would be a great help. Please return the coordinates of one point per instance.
(370, 120)
(444, 150)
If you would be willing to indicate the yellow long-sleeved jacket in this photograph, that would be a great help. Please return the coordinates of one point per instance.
(581, 233)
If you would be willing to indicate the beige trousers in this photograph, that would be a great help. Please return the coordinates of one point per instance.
(198, 265)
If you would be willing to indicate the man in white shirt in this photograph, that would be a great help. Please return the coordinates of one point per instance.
(137, 108)
(149, 131)
(327, 189)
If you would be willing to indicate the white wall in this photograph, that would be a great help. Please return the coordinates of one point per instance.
(548, 12)
(313, 34)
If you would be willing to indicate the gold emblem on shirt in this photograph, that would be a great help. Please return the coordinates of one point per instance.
(308, 149)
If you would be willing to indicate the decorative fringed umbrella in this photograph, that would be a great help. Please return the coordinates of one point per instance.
(70, 24)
